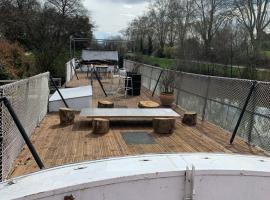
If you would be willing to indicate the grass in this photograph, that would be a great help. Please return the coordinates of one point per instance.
(267, 53)
(151, 60)
(161, 62)
(204, 68)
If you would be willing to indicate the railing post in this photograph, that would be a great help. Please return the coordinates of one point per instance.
(206, 99)
(157, 82)
(251, 123)
(252, 88)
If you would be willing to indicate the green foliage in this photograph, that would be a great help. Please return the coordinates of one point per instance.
(45, 29)
(151, 60)
(169, 52)
(205, 68)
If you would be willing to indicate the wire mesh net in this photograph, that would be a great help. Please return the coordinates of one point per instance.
(29, 99)
(220, 101)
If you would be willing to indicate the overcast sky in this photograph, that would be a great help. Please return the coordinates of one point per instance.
(111, 16)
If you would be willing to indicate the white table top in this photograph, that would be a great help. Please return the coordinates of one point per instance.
(128, 112)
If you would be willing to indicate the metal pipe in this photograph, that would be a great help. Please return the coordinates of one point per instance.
(64, 101)
(243, 111)
(23, 132)
(101, 85)
(157, 83)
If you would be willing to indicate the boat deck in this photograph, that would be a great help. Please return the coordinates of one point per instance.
(59, 145)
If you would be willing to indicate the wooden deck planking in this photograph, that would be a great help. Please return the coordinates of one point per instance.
(58, 145)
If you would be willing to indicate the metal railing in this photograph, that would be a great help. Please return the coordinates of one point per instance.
(220, 101)
(29, 99)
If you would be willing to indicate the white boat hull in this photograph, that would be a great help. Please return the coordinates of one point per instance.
(173, 176)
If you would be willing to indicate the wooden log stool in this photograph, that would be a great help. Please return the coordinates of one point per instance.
(148, 104)
(101, 126)
(105, 104)
(190, 118)
(67, 116)
(164, 125)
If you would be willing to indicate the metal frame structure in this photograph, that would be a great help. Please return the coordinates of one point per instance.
(74, 40)
(72, 49)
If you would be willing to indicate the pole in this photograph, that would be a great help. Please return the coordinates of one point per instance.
(243, 111)
(59, 92)
(23, 132)
(101, 85)
(157, 83)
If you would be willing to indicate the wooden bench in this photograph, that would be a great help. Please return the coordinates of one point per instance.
(163, 119)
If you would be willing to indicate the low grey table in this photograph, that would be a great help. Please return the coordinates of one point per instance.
(128, 113)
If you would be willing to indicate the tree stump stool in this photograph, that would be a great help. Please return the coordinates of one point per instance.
(101, 126)
(148, 104)
(190, 118)
(67, 116)
(105, 104)
(164, 125)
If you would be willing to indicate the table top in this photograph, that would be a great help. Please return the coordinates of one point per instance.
(128, 113)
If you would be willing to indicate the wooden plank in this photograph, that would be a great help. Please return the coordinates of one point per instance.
(58, 145)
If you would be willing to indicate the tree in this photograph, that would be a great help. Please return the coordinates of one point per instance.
(254, 16)
(13, 25)
(210, 15)
(159, 15)
(67, 7)
(184, 17)
(44, 29)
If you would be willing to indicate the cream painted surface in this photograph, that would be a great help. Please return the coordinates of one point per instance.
(167, 176)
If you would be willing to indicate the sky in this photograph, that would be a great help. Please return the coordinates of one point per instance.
(112, 16)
